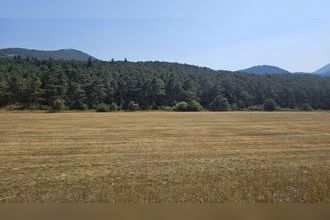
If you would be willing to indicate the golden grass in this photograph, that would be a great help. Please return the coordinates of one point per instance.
(165, 157)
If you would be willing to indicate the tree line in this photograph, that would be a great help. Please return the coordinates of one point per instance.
(34, 84)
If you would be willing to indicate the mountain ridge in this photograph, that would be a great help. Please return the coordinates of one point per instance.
(325, 70)
(74, 54)
(61, 54)
(265, 69)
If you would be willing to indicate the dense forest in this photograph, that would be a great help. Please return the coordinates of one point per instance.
(49, 84)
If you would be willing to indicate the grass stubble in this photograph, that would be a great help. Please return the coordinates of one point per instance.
(147, 157)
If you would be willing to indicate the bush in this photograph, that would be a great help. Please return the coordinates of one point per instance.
(113, 107)
(132, 106)
(45, 107)
(80, 106)
(240, 105)
(181, 106)
(194, 107)
(153, 107)
(149, 107)
(306, 107)
(220, 103)
(256, 108)
(234, 107)
(284, 109)
(102, 107)
(14, 107)
(83, 107)
(34, 106)
(166, 108)
(58, 105)
(270, 105)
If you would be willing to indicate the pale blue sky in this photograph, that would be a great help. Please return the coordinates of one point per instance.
(231, 34)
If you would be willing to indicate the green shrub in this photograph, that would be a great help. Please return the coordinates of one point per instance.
(14, 107)
(34, 106)
(83, 107)
(149, 107)
(58, 105)
(240, 105)
(234, 107)
(102, 107)
(113, 107)
(219, 103)
(181, 106)
(166, 108)
(306, 107)
(133, 106)
(194, 107)
(284, 109)
(153, 107)
(45, 107)
(270, 105)
(256, 108)
(80, 106)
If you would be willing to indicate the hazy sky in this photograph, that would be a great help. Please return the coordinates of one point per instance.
(222, 34)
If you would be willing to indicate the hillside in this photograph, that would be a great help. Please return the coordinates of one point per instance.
(151, 85)
(265, 69)
(324, 70)
(64, 54)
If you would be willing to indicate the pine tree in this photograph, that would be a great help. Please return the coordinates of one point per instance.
(76, 95)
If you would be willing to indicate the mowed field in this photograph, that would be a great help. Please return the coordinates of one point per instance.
(147, 157)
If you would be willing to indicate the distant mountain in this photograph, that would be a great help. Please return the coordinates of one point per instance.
(324, 70)
(66, 54)
(265, 69)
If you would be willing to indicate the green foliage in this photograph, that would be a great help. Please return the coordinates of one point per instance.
(113, 107)
(96, 92)
(256, 108)
(306, 107)
(4, 93)
(89, 62)
(102, 107)
(83, 107)
(77, 96)
(15, 106)
(58, 105)
(133, 106)
(40, 107)
(166, 108)
(194, 107)
(270, 105)
(219, 103)
(30, 83)
(240, 105)
(234, 107)
(181, 106)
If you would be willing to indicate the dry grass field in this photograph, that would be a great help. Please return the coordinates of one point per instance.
(165, 157)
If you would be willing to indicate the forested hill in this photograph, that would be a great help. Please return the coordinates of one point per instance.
(65, 54)
(151, 85)
(265, 69)
(324, 70)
